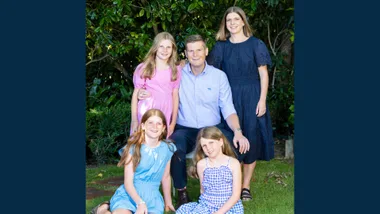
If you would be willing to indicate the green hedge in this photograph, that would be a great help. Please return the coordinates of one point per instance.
(106, 132)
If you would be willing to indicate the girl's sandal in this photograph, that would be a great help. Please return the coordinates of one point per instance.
(95, 210)
(246, 195)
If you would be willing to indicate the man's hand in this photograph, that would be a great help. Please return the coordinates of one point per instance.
(243, 142)
(143, 94)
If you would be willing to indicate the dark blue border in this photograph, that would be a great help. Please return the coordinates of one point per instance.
(42, 88)
(336, 107)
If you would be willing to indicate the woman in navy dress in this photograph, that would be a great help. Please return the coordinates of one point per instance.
(244, 58)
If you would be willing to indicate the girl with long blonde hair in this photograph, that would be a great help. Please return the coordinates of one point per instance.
(146, 161)
(160, 76)
(219, 173)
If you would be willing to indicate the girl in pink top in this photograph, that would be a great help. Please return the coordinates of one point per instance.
(159, 75)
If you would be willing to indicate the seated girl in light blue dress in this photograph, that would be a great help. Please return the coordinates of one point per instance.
(219, 174)
(146, 161)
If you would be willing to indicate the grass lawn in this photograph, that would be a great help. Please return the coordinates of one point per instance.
(272, 188)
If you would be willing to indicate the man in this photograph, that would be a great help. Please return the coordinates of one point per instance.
(204, 93)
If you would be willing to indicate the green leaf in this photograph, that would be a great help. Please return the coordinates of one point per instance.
(142, 11)
(163, 25)
(97, 81)
(109, 100)
(291, 108)
(292, 37)
(93, 90)
(192, 6)
(124, 92)
(253, 5)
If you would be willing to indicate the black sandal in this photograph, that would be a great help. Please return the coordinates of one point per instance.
(95, 210)
(246, 195)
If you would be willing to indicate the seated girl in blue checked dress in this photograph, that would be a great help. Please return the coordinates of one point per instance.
(146, 161)
(219, 174)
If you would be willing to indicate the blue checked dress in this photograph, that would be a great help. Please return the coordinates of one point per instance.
(217, 185)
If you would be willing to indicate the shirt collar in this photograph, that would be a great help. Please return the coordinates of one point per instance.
(187, 68)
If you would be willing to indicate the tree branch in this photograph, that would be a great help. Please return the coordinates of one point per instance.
(275, 40)
(155, 29)
(95, 60)
(119, 67)
(283, 41)
(270, 43)
(274, 77)
(136, 6)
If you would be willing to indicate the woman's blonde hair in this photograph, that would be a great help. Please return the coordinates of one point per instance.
(223, 32)
(138, 138)
(213, 133)
(150, 57)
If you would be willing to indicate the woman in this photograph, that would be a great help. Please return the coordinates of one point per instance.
(244, 58)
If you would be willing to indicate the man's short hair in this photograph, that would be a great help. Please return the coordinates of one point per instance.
(195, 38)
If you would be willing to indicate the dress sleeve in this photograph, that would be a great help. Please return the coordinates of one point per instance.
(138, 82)
(262, 55)
(215, 57)
(172, 149)
(176, 83)
(132, 149)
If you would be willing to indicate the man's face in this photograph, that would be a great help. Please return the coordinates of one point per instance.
(196, 53)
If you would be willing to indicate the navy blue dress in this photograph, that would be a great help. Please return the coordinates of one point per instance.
(240, 61)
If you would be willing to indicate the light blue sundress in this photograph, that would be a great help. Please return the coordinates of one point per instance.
(147, 179)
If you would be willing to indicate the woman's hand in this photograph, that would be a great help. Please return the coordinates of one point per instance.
(261, 108)
(142, 209)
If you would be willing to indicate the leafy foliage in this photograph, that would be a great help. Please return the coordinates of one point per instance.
(107, 95)
(120, 32)
(105, 131)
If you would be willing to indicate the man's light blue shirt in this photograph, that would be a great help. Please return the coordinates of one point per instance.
(203, 97)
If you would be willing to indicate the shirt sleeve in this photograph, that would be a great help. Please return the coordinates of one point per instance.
(138, 82)
(179, 75)
(262, 55)
(215, 57)
(225, 97)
